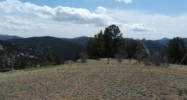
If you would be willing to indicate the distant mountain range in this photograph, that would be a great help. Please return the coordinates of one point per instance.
(7, 37)
(163, 41)
(68, 49)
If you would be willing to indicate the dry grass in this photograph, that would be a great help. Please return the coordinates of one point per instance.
(96, 80)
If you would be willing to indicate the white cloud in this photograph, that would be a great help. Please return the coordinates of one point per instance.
(139, 28)
(126, 1)
(60, 13)
(19, 24)
(101, 10)
(162, 25)
(10, 6)
(6, 26)
(70, 22)
(80, 16)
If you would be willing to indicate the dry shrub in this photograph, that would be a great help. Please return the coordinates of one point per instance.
(119, 58)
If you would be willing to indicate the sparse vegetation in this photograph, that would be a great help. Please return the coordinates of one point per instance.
(96, 80)
(93, 50)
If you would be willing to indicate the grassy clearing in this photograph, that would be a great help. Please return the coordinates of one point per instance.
(96, 80)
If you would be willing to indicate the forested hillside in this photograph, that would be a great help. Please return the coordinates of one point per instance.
(66, 49)
(13, 56)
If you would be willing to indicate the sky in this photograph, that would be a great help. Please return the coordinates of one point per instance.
(149, 19)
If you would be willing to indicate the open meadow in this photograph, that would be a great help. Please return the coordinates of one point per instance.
(96, 80)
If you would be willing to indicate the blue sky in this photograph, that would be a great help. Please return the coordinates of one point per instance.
(154, 6)
(150, 19)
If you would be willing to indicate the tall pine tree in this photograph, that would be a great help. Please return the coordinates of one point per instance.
(107, 44)
(113, 40)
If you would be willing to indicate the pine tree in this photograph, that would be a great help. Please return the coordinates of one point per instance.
(176, 50)
(112, 38)
(96, 46)
(106, 44)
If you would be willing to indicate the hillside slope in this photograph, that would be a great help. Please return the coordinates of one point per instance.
(96, 80)
(64, 48)
(14, 56)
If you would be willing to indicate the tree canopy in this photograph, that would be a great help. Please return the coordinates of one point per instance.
(176, 50)
(105, 44)
(96, 46)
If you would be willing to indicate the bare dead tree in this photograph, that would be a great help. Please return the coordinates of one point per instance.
(149, 58)
(142, 53)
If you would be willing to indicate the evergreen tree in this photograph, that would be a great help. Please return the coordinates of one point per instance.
(96, 46)
(100, 44)
(131, 48)
(113, 39)
(106, 44)
(53, 59)
(135, 50)
(176, 50)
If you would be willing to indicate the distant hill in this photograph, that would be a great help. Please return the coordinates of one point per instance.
(163, 41)
(154, 46)
(159, 45)
(66, 49)
(7, 37)
(81, 40)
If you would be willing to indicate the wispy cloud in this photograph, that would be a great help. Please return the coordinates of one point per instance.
(139, 28)
(125, 1)
(19, 24)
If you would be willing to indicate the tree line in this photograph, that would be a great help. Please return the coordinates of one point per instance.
(111, 44)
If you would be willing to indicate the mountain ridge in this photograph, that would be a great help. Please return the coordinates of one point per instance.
(7, 37)
(66, 49)
(69, 48)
